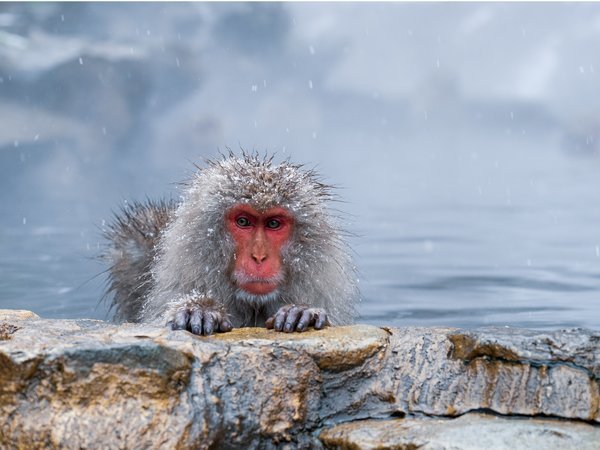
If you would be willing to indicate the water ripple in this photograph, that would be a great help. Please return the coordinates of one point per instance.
(462, 282)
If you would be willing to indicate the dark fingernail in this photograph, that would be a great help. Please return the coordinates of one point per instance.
(321, 325)
(320, 322)
(209, 323)
(279, 325)
(306, 319)
(182, 318)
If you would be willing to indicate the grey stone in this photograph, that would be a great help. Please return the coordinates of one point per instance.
(89, 384)
(468, 432)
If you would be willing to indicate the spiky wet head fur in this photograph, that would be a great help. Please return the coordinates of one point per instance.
(195, 252)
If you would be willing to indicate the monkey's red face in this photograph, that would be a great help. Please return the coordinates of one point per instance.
(259, 238)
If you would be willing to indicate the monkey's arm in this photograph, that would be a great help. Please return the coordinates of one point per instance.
(291, 318)
(199, 315)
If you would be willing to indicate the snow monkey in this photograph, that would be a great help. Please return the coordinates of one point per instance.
(251, 243)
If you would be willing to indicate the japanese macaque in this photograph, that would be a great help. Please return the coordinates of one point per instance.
(250, 244)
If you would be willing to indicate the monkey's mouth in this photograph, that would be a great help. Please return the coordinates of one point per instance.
(256, 285)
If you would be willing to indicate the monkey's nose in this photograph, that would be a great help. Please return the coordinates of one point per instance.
(259, 257)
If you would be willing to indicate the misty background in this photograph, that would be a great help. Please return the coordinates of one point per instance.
(464, 138)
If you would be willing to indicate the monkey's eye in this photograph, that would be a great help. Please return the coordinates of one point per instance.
(242, 222)
(273, 224)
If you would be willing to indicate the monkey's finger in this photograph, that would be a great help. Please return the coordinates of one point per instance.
(225, 326)
(321, 320)
(181, 319)
(292, 319)
(209, 323)
(170, 325)
(280, 320)
(306, 319)
(196, 321)
(270, 322)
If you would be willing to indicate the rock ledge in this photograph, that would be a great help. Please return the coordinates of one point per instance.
(87, 384)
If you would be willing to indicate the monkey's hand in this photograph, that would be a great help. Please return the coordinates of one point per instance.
(201, 316)
(291, 318)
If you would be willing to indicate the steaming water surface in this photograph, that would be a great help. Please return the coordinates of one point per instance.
(523, 252)
(430, 252)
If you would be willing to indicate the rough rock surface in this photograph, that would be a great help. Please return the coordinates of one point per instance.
(468, 432)
(89, 384)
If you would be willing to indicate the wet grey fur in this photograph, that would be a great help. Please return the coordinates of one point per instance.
(133, 239)
(162, 255)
